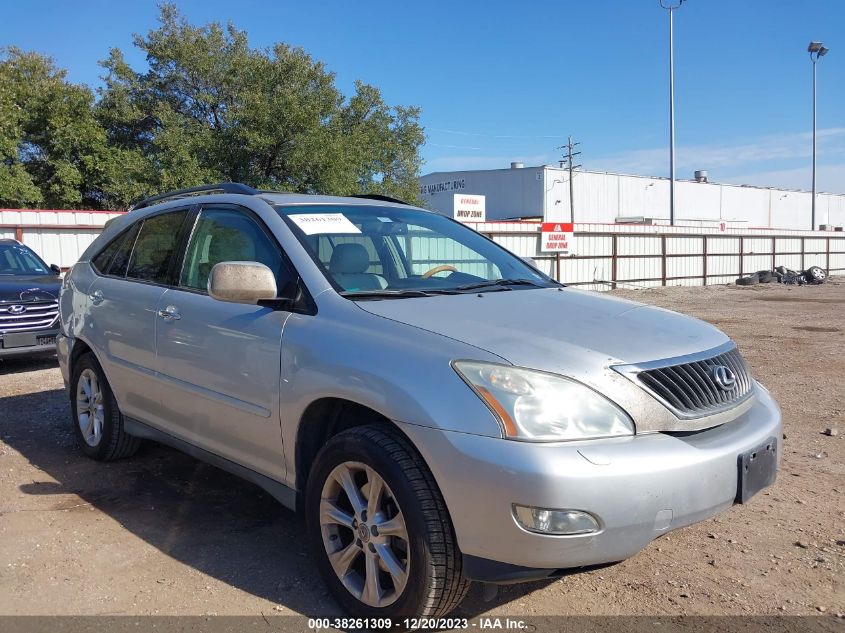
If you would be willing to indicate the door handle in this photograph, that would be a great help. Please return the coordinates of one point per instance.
(170, 313)
(97, 297)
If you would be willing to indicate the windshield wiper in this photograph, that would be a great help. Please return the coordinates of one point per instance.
(396, 294)
(500, 283)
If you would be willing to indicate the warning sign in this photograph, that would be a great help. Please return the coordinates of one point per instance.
(556, 237)
(469, 208)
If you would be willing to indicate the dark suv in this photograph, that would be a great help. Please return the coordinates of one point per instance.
(29, 309)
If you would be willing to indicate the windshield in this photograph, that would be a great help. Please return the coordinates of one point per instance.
(389, 251)
(16, 259)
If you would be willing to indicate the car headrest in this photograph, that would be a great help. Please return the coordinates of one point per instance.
(349, 259)
(231, 246)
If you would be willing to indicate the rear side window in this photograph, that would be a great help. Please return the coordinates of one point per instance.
(121, 258)
(103, 261)
(154, 247)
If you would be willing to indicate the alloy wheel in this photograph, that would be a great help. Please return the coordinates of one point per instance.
(89, 407)
(364, 534)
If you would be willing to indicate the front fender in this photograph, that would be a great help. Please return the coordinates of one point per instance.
(400, 371)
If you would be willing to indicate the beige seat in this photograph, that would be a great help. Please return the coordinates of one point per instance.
(348, 266)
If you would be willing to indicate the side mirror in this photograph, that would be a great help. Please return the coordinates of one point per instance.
(56, 270)
(241, 282)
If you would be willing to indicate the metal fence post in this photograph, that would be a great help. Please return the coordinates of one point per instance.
(774, 250)
(803, 250)
(613, 261)
(704, 260)
(663, 259)
(827, 255)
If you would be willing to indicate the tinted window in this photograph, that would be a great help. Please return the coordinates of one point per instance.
(121, 257)
(102, 261)
(154, 247)
(226, 235)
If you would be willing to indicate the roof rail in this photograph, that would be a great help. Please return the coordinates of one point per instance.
(225, 187)
(378, 196)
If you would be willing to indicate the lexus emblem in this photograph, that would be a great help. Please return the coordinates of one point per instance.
(723, 377)
(16, 309)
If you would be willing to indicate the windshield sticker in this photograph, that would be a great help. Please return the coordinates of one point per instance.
(321, 223)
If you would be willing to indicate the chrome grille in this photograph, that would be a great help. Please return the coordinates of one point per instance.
(692, 389)
(35, 316)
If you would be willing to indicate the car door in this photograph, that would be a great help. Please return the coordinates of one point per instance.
(219, 362)
(133, 272)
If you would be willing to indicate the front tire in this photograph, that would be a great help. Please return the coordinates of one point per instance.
(97, 421)
(379, 528)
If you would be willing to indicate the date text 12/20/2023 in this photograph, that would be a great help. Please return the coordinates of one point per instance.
(512, 624)
(494, 623)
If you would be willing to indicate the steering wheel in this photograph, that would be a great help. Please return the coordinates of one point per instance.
(439, 269)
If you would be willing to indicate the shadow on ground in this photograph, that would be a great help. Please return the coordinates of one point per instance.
(23, 364)
(201, 516)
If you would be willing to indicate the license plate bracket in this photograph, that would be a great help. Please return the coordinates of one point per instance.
(18, 339)
(757, 469)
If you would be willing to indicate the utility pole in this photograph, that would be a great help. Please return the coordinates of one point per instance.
(570, 167)
(816, 50)
(671, 7)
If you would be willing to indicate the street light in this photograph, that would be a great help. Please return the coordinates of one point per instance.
(816, 50)
(670, 6)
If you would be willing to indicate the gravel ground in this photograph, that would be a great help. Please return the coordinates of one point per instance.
(164, 534)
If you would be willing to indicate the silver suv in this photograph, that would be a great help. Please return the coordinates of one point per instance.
(440, 410)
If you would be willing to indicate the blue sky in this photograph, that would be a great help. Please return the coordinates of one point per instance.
(501, 81)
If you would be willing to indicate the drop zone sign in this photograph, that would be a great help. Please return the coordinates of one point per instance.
(469, 208)
(556, 237)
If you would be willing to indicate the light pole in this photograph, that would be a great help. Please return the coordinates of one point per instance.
(816, 50)
(670, 6)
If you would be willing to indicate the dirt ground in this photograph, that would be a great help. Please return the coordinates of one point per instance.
(164, 534)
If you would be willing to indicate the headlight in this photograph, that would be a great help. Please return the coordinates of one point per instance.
(536, 406)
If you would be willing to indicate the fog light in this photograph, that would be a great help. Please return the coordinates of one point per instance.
(560, 522)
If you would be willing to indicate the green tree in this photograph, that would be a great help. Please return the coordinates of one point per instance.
(48, 135)
(211, 108)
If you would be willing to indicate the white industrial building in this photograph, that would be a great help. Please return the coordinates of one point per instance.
(606, 198)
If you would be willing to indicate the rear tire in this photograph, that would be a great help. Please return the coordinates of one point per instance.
(96, 418)
(415, 570)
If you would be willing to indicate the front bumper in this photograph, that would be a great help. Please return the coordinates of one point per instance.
(639, 488)
(45, 344)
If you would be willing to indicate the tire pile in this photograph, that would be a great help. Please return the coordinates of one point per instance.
(784, 275)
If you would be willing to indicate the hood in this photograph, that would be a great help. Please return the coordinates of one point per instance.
(29, 288)
(562, 331)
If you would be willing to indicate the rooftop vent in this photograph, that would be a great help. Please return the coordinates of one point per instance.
(701, 175)
(517, 165)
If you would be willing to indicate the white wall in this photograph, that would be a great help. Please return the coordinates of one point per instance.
(602, 197)
(58, 236)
